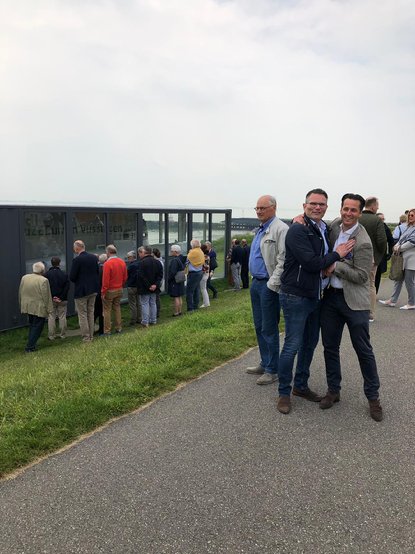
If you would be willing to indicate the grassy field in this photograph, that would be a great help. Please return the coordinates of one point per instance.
(67, 388)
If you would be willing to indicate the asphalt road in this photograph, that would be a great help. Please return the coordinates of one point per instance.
(215, 468)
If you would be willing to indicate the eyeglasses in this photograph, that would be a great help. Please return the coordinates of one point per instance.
(262, 208)
(315, 204)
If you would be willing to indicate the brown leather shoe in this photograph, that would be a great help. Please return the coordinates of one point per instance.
(284, 404)
(329, 400)
(375, 409)
(308, 394)
(258, 370)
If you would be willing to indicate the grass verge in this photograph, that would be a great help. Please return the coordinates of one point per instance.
(66, 389)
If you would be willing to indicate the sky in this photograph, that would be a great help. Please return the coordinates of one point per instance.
(207, 103)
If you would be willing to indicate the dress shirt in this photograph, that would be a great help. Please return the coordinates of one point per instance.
(257, 266)
(344, 236)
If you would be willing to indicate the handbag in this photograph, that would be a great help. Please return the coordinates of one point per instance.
(396, 270)
(180, 276)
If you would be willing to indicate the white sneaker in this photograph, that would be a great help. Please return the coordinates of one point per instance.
(388, 303)
(407, 307)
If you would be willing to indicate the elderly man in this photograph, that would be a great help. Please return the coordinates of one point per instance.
(114, 277)
(194, 263)
(302, 285)
(85, 274)
(376, 231)
(35, 300)
(266, 261)
(59, 288)
(347, 302)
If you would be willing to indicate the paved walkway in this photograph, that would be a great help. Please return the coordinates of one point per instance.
(215, 468)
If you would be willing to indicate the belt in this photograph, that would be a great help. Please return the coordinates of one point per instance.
(260, 278)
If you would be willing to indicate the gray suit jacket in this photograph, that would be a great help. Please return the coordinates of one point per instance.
(355, 271)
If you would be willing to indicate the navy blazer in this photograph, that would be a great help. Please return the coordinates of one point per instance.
(85, 274)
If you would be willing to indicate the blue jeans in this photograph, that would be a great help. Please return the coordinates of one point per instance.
(148, 308)
(335, 313)
(35, 330)
(302, 329)
(193, 290)
(266, 314)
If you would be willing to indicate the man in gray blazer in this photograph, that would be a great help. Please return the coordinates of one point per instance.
(347, 301)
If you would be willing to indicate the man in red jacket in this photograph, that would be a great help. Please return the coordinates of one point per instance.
(114, 277)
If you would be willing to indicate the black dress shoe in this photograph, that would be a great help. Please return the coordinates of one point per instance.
(375, 410)
(308, 394)
(329, 400)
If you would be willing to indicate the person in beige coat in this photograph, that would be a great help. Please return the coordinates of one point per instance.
(35, 300)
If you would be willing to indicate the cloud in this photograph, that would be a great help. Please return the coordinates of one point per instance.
(207, 102)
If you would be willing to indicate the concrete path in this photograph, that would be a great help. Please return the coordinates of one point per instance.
(215, 468)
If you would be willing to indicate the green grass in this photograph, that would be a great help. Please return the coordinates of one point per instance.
(67, 388)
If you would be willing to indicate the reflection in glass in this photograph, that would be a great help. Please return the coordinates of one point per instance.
(200, 227)
(90, 228)
(178, 230)
(122, 232)
(44, 235)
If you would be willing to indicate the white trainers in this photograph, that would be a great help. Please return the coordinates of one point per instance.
(388, 303)
(407, 307)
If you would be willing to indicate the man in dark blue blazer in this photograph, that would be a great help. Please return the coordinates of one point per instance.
(85, 275)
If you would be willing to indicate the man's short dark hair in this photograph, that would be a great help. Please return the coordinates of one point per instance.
(55, 261)
(236, 241)
(316, 191)
(370, 201)
(351, 196)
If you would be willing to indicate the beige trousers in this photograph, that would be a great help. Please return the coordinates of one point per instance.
(85, 308)
(59, 312)
(112, 301)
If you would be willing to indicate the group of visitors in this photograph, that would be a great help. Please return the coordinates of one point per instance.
(238, 264)
(99, 283)
(323, 277)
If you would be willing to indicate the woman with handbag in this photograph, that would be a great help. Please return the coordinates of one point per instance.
(175, 284)
(406, 247)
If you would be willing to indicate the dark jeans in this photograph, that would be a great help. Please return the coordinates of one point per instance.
(193, 290)
(35, 330)
(209, 286)
(266, 314)
(245, 276)
(302, 329)
(335, 313)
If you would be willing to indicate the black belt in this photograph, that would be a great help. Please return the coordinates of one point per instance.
(260, 278)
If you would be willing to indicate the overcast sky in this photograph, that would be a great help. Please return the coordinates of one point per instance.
(207, 103)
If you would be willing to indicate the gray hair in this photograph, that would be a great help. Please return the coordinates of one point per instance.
(111, 249)
(79, 244)
(38, 267)
(131, 254)
(102, 258)
(208, 243)
(195, 243)
(176, 248)
(146, 249)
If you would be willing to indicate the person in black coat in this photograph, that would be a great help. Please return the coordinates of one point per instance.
(383, 264)
(176, 290)
(59, 288)
(245, 264)
(85, 275)
(149, 278)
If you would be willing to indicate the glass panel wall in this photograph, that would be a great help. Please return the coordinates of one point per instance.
(122, 232)
(154, 235)
(44, 235)
(200, 227)
(178, 230)
(90, 228)
(218, 241)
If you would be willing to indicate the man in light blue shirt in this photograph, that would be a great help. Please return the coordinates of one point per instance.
(266, 262)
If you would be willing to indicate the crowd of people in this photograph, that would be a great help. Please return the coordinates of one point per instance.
(99, 282)
(322, 276)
